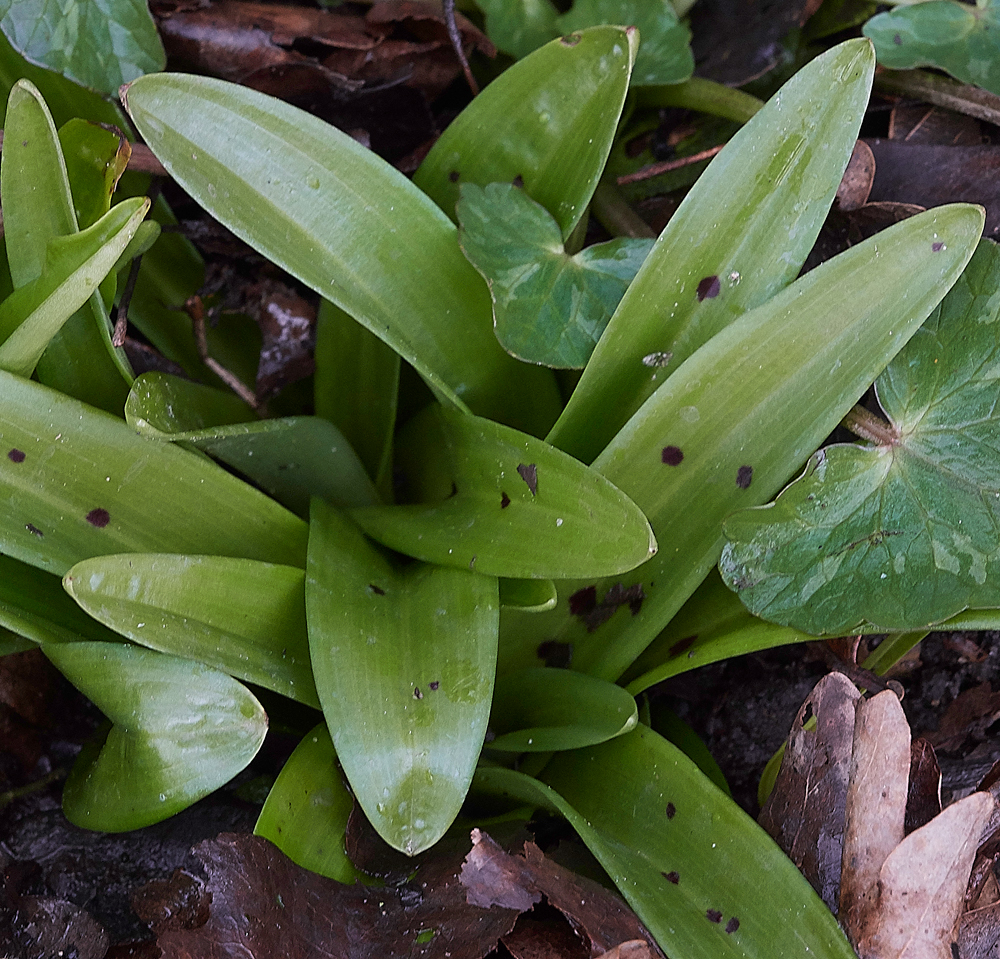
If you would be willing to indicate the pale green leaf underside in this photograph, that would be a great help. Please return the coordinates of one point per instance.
(548, 307)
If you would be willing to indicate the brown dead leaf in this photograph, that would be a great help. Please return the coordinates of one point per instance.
(876, 806)
(545, 933)
(27, 685)
(287, 324)
(921, 886)
(970, 713)
(857, 181)
(966, 647)
(979, 933)
(805, 812)
(923, 795)
(922, 123)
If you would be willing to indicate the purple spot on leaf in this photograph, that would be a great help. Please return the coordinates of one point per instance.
(682, 645)
(583, 601)
(744, 476)
(713, 915)
(529, 473)
(672, 876)
(376, 589)
(453, 176)
(416, 693)
(99, 517)
(504, 501)
(556, 655)
(937, 247)
(708, 288)
(16, 456)
(732, 925)
(672, 455)
(454, 490)
(671, 810)
(898, 40)
(33, 529)
(570, 40)
(518, 181)
(435, 685)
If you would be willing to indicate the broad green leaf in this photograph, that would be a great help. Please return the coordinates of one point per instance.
(404, 659)
(100, 45)
(291, 459)
(664, 50)
(528, 595)
(356, 387)
(127, 494)
(704, 878)
(741, 234)
(180, 730)
(548, 307)
(240, 616)
(307, 809)
(540, 710)
(671, 727)
(34, 605)
(732, 425)
(519, 508)
(95, 158)
(344, 222)
(904, 532)
(956, 37)
(518, 27)
(74, 267)
(550, 120)
(13, 643)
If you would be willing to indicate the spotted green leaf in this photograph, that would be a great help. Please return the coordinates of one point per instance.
(240, 616)
(516, 507)
(179, 731)
(540, 710)
(705, 879)
(902, 532)
(959, 38)
(307, 809)
(548, 307)
(100, 45)
(550, 120)
(404, 657)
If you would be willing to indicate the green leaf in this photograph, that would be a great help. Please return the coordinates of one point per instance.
(180, 731)
(956, 37)
(240, 616)
(518, 27)
(902, 533)
(548, 307)
(741, 234)
(540, 710)
(12, 643)
(291, 459)
(528, 595)
(347, 224)
(404, 660)
(550, 120)
(95, 158)
(74, 267)
(664, 50)
(520, 508)
(307, 809)
(704, 878)
(99, 45)
(128, 494)
(672, 728)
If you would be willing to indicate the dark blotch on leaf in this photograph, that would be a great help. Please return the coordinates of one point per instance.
(898, 40)
(453, 176)
(732, 925)
(672, 876)
(376, 589)
(744, 477)
(504, 501)
(582, 601)
(518, 181)
(16, 456)
(708, 288)
(672, 455)
(416, 693)
(435, 685)
(454, 490)
(571, 40)
(937, 247)
(99, 517)
(529, 473)
(555, 654)
(713, 915)
(671, 810)
(33, 529)
(683, 645)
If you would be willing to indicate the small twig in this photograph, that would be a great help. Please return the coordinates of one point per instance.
(121, 315)
(940, 91)
(10, 795)
(196, 310)
(655, 169)
(862, 422)
(456, 42)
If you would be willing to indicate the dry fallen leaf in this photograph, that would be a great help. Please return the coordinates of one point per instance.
(857, 181)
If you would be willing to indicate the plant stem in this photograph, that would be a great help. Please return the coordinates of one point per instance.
(11, 794)
(705, 96)
(941, 91)
(862, 422)
(615, 214)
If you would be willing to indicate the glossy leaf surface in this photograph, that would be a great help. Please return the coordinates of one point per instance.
(345, 223)
(307, 809)
(95, 159)
(901, 533)
(548, 307)
(100, 45)
(180, 730)
(741, 234)
(74, 267)
(520, 508)
(519, 27)
(558, 110)
(956, 37)
(128, 494)
(404, 660)
(529, 595)
(540, 710)
(705, 879)
(240, 616)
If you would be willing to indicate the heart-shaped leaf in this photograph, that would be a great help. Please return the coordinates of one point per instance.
(518, 27)
(243, 617)
(180, 730)
(959, 38)
(903, 533)
(404, 659)
(540, 710)
(548, 307)
(518, 508)
(307, 809)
